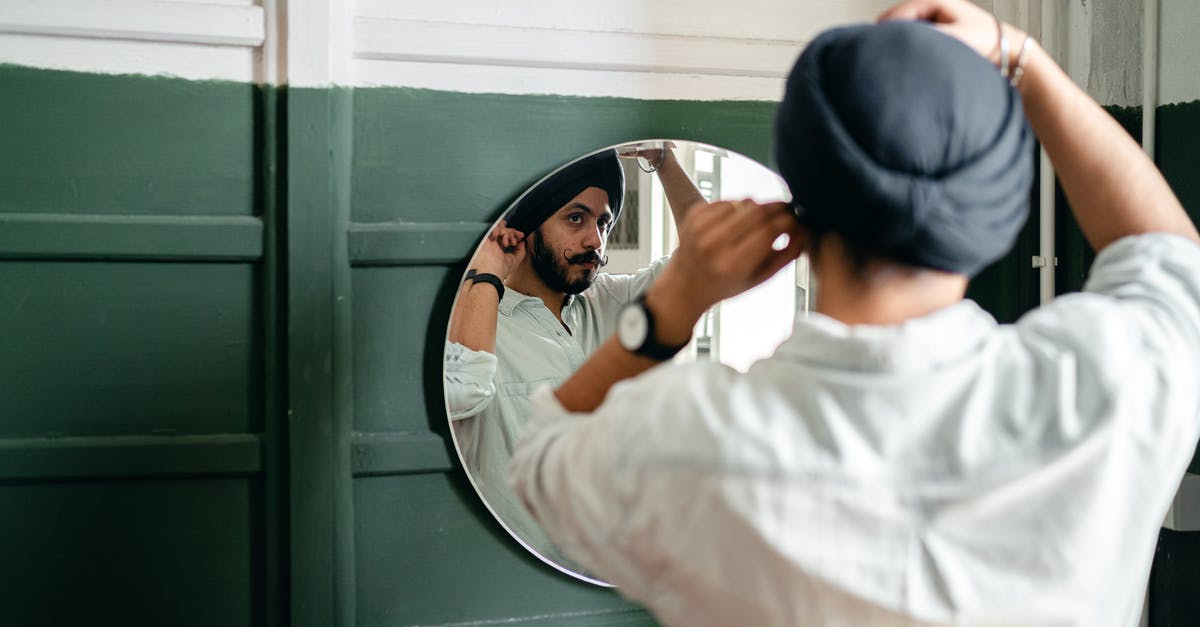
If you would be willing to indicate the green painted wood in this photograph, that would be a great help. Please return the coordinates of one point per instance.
(1177, 148)
(1075, 254)
(106, 348)
(400, 317)
(274, 488)
(429, 554)
(1177, 152)
(130, 238)
(88, 143)
(178, 552)
(433, 156)
(1010, 287)
(401, 453)
(393, 243)
(130, 456)
(319, 412)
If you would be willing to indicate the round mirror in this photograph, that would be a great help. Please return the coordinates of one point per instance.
(545, 285)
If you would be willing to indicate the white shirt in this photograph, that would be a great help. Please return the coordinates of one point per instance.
(948, 469)
(488, 395)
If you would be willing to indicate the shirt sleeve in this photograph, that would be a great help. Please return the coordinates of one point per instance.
(469, 377)
(583, 475)
(1133, 337)
(571, 472)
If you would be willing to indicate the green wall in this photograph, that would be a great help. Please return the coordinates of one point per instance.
(224, 308)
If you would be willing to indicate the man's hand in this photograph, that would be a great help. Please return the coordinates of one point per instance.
(501, 252)
(654, 156)
(964, 21)
(725, 248)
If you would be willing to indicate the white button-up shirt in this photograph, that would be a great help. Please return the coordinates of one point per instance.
(946, 470)
(488, 395)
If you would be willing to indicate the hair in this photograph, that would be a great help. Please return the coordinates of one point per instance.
(865, 265)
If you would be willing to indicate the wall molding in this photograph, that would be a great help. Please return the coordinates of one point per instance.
(130, 456)
(395, 243)
(175, 22)
(471, 44)
(90, 236)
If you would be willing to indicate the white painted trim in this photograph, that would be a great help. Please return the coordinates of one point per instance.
(764, 20)
(469, 44)
(1078, 44)
(190, 61)
(566, 82)
(319, 43)
(141, 20)
(1050, 28)
(1150, 29)
(272, 62)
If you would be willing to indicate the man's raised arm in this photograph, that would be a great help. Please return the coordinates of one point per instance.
(1113, 187)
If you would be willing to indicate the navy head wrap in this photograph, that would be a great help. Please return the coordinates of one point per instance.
(908, 144)
(602, 170)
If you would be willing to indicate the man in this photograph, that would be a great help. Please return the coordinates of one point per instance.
(554, 309)
(902, 459)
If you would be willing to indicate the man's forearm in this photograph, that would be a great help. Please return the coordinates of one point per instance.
(675, 318)
(682, 193)
(473, 322)
(1113, 187)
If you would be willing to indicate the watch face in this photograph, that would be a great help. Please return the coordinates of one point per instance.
(631, 327)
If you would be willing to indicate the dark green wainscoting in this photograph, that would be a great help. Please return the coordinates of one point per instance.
(142, 477)
(224, 308)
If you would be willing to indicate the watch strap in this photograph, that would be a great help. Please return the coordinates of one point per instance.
(475, 276)
(651, 347)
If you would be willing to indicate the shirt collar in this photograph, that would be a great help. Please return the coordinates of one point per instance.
(946, 335)
(513, 299)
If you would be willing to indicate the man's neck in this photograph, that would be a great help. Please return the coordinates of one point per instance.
(526, 281)
(885, 294)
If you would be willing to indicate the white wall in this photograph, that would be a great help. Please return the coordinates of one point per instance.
(701, 49)
(1179, 49)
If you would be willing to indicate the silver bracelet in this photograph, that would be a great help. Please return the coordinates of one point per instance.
(662, 158)
(1019, 70)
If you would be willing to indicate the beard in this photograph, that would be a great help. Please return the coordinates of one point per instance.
(555, 270)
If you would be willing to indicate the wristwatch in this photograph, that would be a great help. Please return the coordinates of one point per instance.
(635, 332)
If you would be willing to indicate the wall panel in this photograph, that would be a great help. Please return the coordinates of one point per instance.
(101, 348)
(471, 572)
(95, 144)
(139, 457)
(130, 553)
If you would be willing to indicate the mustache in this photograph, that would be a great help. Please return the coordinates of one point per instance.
(585, 257)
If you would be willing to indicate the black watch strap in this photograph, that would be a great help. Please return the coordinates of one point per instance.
(486, 277)
(651, 347)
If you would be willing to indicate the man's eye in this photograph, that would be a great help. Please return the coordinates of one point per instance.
(575, 217)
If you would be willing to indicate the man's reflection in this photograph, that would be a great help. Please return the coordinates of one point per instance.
(554, 309)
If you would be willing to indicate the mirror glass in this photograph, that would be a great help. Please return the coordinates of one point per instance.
(581, 243)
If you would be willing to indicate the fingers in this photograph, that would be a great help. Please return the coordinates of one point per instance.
(775, 262)
(936, 11)
(757, 251)
(506, 238)
(736, 240)
(911, 10)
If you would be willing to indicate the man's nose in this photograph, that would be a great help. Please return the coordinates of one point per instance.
(594, 238)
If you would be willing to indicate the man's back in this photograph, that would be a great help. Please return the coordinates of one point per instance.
(947, 469)
(910, 461)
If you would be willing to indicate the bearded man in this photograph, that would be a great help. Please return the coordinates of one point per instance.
(533, 307)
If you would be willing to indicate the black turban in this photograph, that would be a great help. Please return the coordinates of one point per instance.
(908, 144)
(602, 170)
